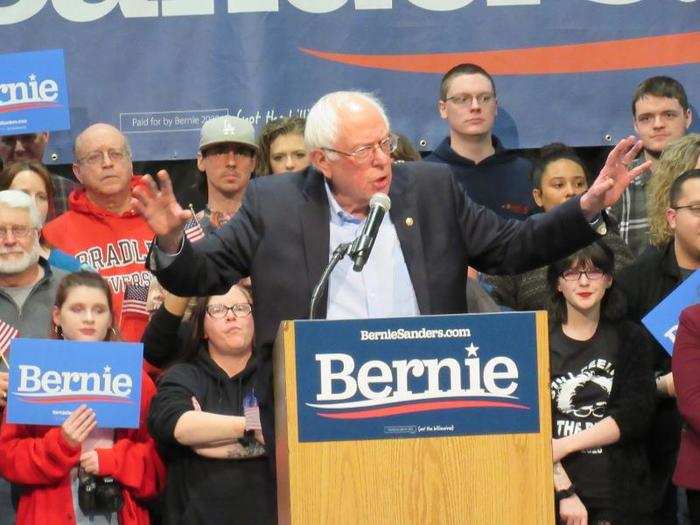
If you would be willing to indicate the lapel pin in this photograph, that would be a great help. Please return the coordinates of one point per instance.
(409, 221)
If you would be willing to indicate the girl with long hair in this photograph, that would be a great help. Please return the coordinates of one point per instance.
(55, 466)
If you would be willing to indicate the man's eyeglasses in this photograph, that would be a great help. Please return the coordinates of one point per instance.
(97, 157)
(219, 311)
(464, 99)
(574, 275)
(220, 150)
(364, 154)
(694, 209)
(18, 232)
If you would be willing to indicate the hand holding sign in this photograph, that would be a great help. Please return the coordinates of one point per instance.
(78, 425)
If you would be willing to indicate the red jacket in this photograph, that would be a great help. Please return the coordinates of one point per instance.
(114, 245)
(40, 459)
(686, 378)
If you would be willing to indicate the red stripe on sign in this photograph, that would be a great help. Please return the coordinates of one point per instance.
(420, 407)
(75, 399)
(27, 105)
(612, 55)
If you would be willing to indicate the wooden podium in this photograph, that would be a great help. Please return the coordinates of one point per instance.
(414, 476)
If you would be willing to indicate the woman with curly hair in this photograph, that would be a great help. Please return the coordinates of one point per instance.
(678, 157)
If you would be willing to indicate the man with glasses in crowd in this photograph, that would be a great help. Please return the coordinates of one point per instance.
(490, 174)
(661, 114)
(31, 146)
(288, 227)
(100, 229)
(227, 156)
(27, 291)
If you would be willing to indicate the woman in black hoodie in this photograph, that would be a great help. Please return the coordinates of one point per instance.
(206, 423)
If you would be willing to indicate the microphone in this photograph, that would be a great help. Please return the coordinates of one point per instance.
(361, 247)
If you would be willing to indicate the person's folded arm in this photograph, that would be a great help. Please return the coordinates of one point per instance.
(603, 433)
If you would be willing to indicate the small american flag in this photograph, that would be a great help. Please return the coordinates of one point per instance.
(135, 297)
(193, 230)
(7, 334)
(251, 411)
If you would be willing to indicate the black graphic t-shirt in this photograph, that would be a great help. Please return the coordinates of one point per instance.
(582, 377)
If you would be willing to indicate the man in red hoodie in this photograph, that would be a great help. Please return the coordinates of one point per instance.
(100, 228)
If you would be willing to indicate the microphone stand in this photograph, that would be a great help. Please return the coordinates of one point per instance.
(338, 255)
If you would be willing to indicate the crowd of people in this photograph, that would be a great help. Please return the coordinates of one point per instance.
(113, 256)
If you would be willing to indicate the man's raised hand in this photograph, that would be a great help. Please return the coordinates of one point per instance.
(614, 178)
(157, 204)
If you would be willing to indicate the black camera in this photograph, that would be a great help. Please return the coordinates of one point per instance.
(98, 495)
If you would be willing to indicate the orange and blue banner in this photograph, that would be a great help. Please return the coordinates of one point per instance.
(158, 69)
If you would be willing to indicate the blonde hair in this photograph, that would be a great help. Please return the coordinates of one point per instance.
(679, 156)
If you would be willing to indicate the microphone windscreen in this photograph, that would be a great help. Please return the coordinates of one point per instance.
(382, 200)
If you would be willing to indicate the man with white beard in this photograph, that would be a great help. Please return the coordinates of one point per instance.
(27, 289)
(27, 283)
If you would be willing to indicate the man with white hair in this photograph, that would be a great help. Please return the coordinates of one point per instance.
(27, 282)
(27, 287)
(288, 226)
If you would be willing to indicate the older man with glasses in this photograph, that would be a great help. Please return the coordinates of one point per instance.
(27, 290)
(100, 229)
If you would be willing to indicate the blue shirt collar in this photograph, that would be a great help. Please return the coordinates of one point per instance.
(337, 214)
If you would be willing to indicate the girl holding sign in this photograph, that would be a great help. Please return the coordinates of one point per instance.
(78, 472)
(602, 395)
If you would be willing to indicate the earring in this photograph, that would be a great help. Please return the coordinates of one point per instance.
(58, 330)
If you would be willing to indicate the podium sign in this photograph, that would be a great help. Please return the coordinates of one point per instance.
(434, 419)
(423, 376)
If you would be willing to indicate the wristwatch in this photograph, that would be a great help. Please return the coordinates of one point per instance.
(598, 224)
(565, 493)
